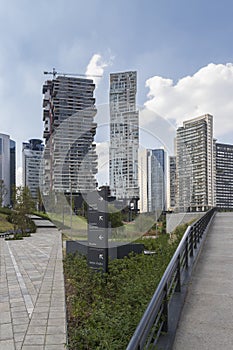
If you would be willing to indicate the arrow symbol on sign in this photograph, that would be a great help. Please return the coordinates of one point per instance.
(101, 256)
(101, 237)
(101, 218)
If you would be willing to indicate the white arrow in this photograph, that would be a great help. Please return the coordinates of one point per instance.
(101, 256)
(101, 237)
(101, 218)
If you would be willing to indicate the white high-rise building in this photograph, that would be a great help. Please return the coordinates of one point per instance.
(124, 137)
(195, 165)
(7, 168)
(143, 180)
(32, 153)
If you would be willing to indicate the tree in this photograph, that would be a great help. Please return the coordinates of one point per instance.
(3, 192)
(115, 217)
(23, 205)
(23, 201)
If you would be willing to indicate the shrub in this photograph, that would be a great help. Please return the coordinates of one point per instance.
(104, 310)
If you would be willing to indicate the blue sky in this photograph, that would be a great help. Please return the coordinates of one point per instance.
(167, 39)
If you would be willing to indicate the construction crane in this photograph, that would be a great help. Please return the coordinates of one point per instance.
(55, 73)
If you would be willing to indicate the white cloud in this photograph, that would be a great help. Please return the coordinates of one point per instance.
(96, 67)
(209, 90)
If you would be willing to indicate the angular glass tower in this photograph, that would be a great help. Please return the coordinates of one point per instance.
(157, 180)
(32, 153)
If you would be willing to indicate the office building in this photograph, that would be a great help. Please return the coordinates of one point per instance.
(152, 175)
(157, 180)
(32, 153)
(124, 137)
(172, 182)
(7, 168)
(142, 180)
(70, 160)
(195, 165)
(224, 175)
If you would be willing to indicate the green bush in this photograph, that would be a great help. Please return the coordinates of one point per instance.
(103, 311)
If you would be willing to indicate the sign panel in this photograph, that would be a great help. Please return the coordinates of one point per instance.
(97, 217)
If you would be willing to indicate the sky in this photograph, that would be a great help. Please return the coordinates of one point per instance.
(182, 52)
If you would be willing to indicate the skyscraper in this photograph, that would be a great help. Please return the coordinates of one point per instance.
(195, 165)
(70, 160)
(152, 180)
(143, 180)
(172, 182)
(7, 167)
(157, 180)
(32, 153)
(124, 137)
(224, 175)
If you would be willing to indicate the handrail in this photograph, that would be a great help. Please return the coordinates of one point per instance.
(173, 282)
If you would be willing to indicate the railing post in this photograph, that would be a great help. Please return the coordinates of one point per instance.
(178, 285)
(165, 311)
(191, 241)
(187, 253)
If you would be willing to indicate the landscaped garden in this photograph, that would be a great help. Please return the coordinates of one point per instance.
(104, 310)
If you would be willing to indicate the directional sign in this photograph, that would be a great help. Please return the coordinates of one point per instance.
(97, 217)
(97, 258)
(97, 236)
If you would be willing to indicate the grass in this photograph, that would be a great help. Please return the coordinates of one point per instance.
(4, 224)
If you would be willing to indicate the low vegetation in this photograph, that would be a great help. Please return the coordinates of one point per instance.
(104, 310)
(5, 225)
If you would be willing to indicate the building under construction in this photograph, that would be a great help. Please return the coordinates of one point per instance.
(70, 160)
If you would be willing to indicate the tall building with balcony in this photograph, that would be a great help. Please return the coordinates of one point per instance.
(124, 137)
(195, 165)
(70, 160)
(224, 175)
(7, 167)
(32, 153)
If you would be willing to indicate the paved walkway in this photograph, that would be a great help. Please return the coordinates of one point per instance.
(207, 318)
(32, 296)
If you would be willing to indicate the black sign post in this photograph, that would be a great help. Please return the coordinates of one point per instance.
(97, 232)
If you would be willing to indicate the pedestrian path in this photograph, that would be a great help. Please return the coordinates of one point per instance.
(206, 321)
(32, 295)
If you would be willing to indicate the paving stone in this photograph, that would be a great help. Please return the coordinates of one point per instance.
(5, 317)
(6, 332)
(54, 339)
(7, 345)
(34, 339)
(36, 330)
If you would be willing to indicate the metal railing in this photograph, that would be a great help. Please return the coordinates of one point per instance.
(158, 324)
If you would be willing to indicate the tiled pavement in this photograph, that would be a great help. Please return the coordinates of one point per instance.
(32, 296)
